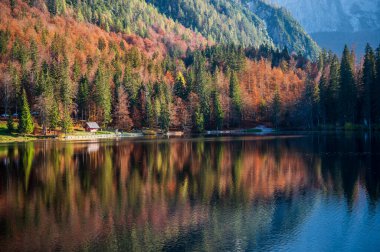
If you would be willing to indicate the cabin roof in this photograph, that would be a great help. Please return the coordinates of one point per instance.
(92, 125)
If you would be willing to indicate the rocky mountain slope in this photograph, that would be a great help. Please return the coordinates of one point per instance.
(230, 21)
(333, 23)
(334, 15)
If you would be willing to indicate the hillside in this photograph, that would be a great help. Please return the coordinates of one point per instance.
(334, 15)
(59, 70)
(228, 21)
(222, 21)
(284, 29)
(333, 23)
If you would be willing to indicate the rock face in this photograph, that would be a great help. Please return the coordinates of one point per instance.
(334, 15)
(333, 23)
(243, 22)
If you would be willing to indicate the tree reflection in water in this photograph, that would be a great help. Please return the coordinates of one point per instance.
(206, 193)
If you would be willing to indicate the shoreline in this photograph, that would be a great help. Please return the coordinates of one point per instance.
(9, 139)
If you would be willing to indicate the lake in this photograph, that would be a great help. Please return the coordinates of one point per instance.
(315, 192)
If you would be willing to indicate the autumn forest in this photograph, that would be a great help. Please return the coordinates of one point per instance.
(58, 70)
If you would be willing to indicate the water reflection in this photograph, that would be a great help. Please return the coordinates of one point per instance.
(199, 194)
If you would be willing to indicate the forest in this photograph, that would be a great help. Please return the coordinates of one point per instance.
(58, 71)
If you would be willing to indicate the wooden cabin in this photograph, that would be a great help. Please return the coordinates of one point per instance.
(91, 127)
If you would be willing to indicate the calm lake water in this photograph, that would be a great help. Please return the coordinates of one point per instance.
(297, 192)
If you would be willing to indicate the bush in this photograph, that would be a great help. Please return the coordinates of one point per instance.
(10, 124)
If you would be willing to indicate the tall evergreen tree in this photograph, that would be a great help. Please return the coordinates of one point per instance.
(347, 98)
(236, 103)
(376, 90)
(368, 80)
(180, 86)
(199, 120)
(218, 111)
(149, 112)
(333, 91)
(103, 93)
(83, 97)
(25, 125)
(276, 108)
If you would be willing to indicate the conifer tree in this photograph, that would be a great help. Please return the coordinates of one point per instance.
(25, 125)
(83, 96)
(236, 103)
(333, 91)
(10, 124)
(103, 93)
(376, 89)
(276, 108)
(180, 86)
(368, 80)
(347, 99)
(199, 120)
(218, 111)
(54, 117)
(149, 113)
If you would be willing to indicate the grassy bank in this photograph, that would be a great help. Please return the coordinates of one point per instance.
(7, 137)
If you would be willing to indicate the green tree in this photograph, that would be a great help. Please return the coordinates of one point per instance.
(347, 99)
(25, 125)
(316, 104)
(333, 92)
(180, 86)
(103, 93)
(236, 108)
(218, 111)
(4, 39)
(83, 96)
(199, 120)
(56, 7)
(54, 117)
(368, 80)
(149, 113)
(10, 124)
(376, 89)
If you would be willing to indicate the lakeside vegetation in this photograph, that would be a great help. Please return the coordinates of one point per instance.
(50, 71)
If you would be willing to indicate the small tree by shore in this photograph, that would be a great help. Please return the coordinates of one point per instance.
(25, 125)
(10, 124)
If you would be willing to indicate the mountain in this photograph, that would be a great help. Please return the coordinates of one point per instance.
(283, 28)
(354, 22)
(244, 23)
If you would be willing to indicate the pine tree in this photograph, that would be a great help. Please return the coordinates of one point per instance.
(376, 90)
(333, 92)
(316, 104)
(83, 96)
(164, 119)
(103, 93)
(276, 108)
(165, 101)
(66, 94)
(66, 122)
(347, 99)
(218, 111)
(54, 117)
(368, 80)
(25, 125)
(10, 124)
(4, 38)
(236, 104)
(149, 113)
(180, 86)
(199, 120)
